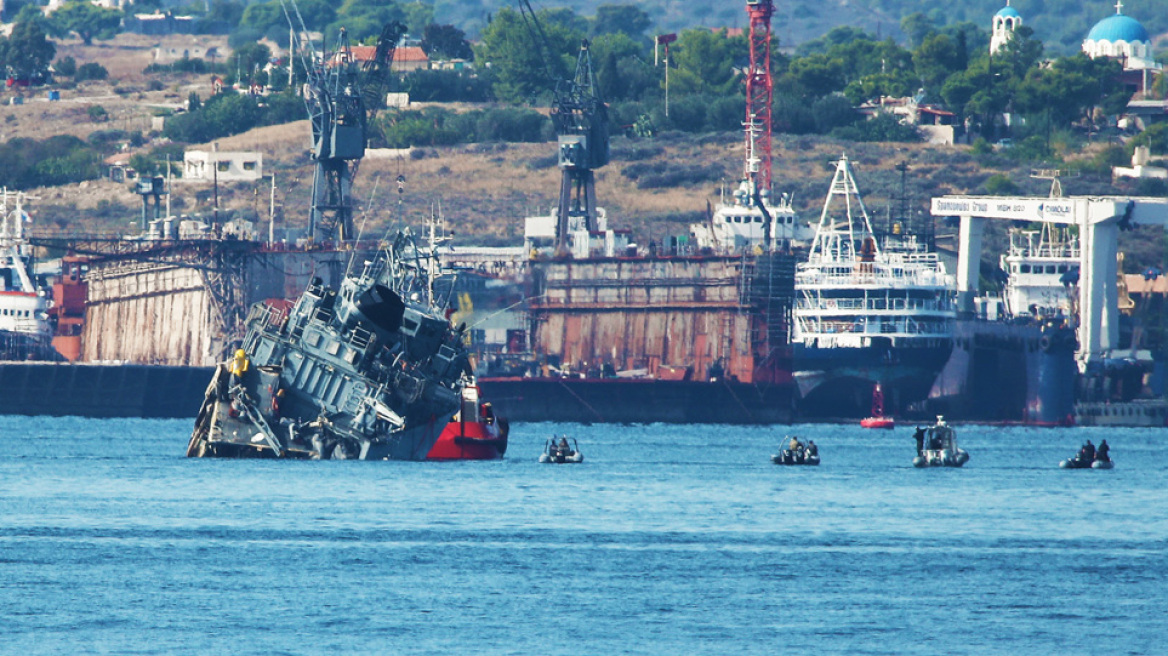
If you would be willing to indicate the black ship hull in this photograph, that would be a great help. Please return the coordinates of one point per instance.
(838, 382)
(612, 400)
(1008, 372)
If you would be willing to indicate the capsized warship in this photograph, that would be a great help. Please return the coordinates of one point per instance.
(373, 371)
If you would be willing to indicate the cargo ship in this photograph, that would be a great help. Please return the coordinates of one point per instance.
(869, 312)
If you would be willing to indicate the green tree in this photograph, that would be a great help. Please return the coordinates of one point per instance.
(445, 42)
(416, 15)
(66, 66)
(27, 52)
(817, 75)
(622, 69)
(521, 71)
(917, 27)
(1021, 52)
(630, 20)
(87, 21)
(705, 63)
(250, 59)
(1070, 89)
(836, 36)
(90, 71)
(936, 59)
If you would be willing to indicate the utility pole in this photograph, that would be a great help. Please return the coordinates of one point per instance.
(664, 40)
(272, 214)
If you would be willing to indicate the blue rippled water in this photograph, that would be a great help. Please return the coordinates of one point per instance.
(667, 540)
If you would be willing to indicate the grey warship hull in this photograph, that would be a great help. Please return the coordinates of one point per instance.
(371, 371)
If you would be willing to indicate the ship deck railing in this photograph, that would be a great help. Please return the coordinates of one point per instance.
(831, 305)
(880, 276)
(813, 327)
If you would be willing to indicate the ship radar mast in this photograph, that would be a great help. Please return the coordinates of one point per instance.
(839, 241)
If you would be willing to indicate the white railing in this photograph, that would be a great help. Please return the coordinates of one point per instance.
(812, 304)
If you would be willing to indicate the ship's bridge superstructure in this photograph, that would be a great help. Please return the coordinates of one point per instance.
(854, 292)
(1042, 271)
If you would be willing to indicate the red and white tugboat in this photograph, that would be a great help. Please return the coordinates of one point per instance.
(475, 433)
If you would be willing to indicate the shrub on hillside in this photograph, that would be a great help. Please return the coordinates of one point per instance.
(228, 113)
(63, 159)
(90, 71)
(882, 127)
(66, 66)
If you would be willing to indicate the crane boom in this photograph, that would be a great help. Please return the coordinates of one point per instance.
(336, 107)
(581, 121)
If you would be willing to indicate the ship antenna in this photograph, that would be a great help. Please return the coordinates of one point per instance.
(364, 218)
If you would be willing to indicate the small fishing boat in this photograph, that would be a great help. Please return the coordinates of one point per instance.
(937, 446)
(556, 450)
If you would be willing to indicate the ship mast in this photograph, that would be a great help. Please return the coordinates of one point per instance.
(840, 242)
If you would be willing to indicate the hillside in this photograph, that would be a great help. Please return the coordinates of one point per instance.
(1061, 24)
(655, 187)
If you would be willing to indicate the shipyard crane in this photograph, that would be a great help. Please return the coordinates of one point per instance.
(580, 118)
(377, 69)
(759, 96)
(339, 111)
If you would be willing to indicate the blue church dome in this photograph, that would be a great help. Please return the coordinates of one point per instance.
(1008, 12)
(1118, 28)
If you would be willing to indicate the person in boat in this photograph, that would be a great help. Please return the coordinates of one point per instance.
(1101, 452)
(919, 436)
(812, 450)
(795, 445)
(1088, 451)
(563, 445)
(935, 442)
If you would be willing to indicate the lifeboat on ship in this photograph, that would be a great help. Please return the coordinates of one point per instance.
(937, 447)
(475, 432)
(878, 420)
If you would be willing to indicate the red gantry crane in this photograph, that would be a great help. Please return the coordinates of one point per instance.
(759, 92)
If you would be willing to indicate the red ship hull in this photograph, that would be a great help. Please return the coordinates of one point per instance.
(878, 422)
(465, 440)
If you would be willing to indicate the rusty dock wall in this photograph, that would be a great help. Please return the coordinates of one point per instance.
(697, 313)
(183, 303)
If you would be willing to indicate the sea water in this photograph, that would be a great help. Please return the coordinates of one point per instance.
(666, 540)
